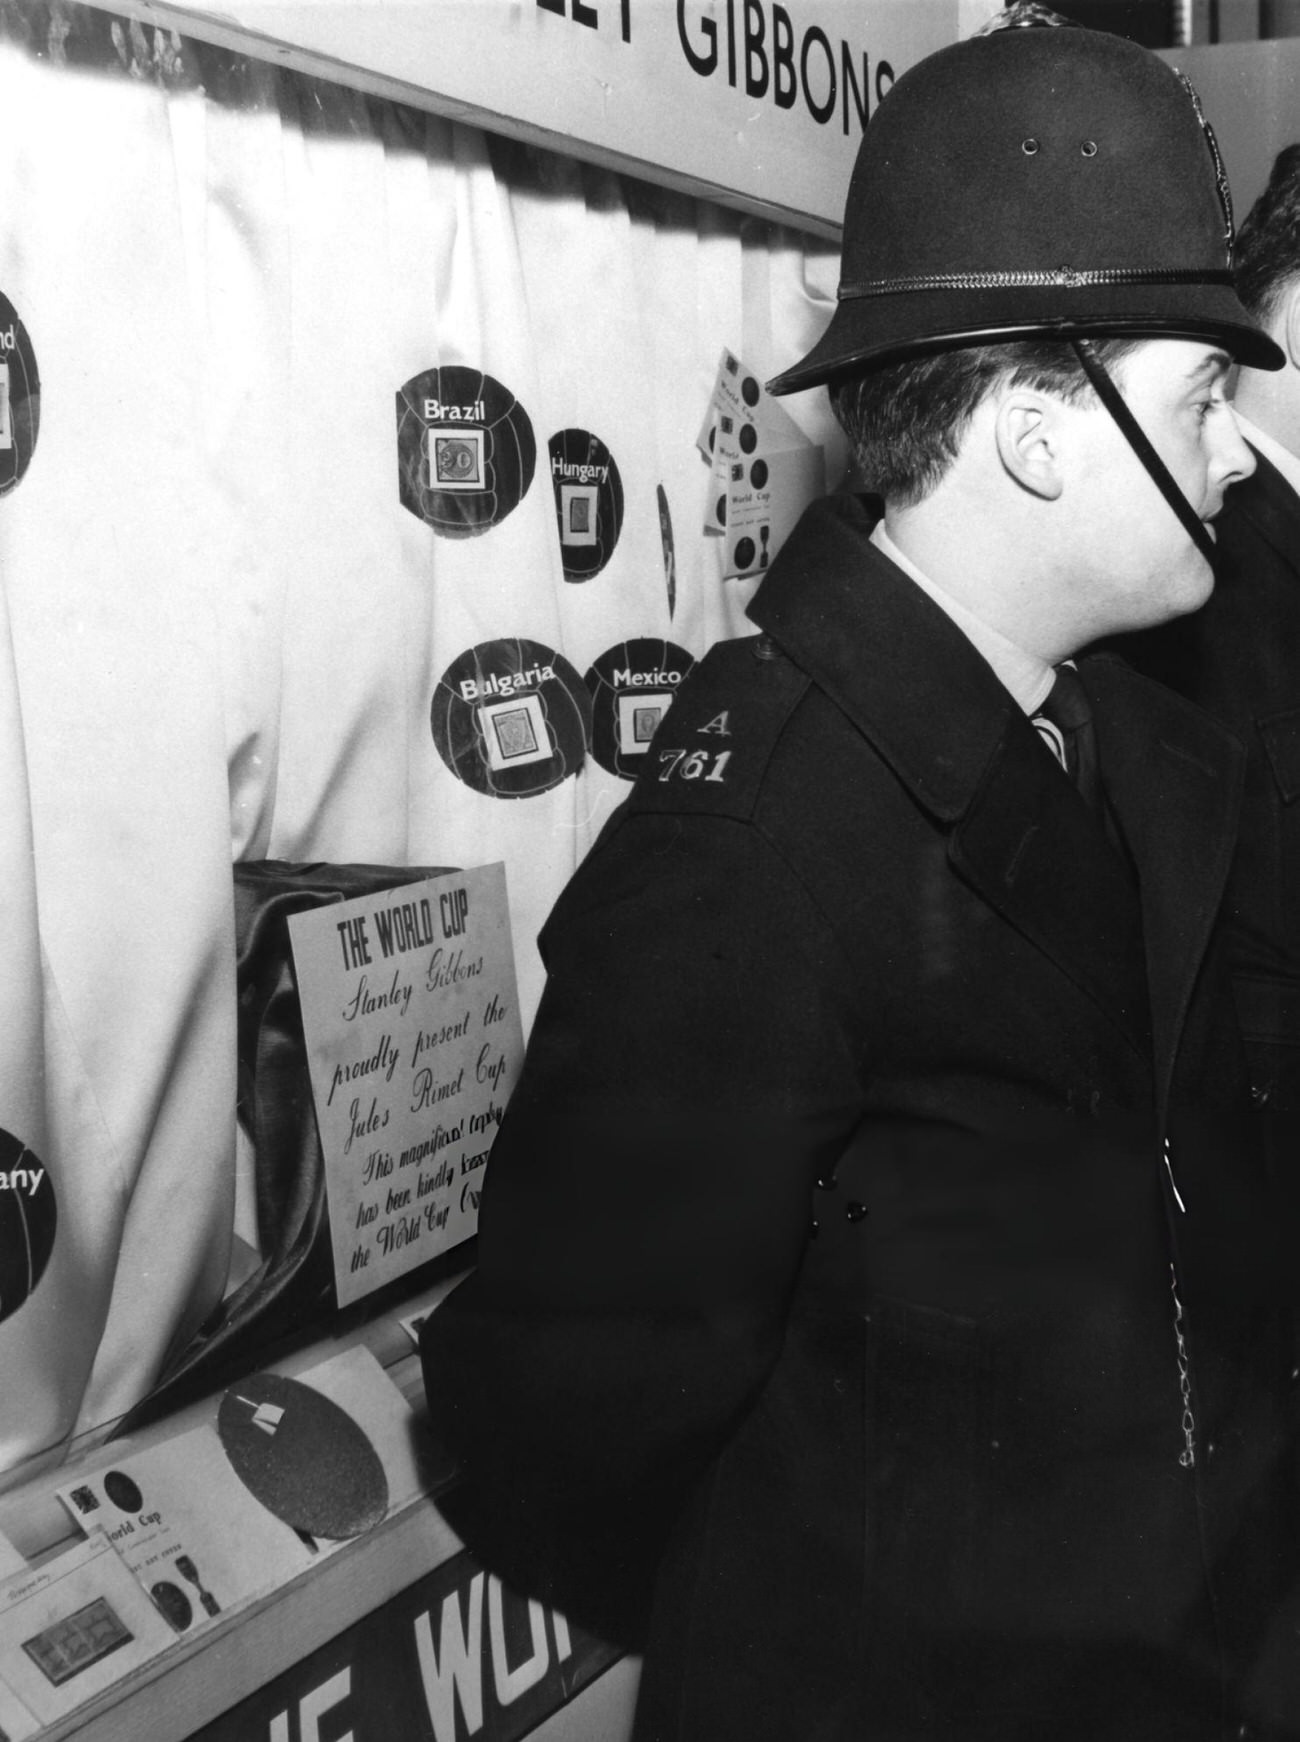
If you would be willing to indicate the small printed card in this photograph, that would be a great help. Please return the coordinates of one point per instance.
(764, 503)
(188, 1528)
(414, 1042)
(10, 1560)
(764, 469)
(71, 1628)
(16, 1722)
(198, 1540)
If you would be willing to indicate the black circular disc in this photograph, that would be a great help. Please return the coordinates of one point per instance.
(632, 686)
(20, 398)
(123, 1492)
(28, 1221)
(511, 718)
(173, 1603)
(302, 1456)
(465, 448)
(588, 501)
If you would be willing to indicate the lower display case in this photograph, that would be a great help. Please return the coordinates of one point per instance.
(454, 1655)
(395, 1634)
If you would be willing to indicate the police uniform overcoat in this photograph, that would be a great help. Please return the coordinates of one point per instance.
(872, 1238)
(1239, 658)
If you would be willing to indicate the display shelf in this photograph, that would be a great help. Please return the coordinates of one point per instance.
(201, 1677)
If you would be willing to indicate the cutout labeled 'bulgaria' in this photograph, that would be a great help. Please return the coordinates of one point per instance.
(511, 718)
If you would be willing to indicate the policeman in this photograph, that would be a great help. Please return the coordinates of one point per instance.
(1240, 659)
(874, 1272)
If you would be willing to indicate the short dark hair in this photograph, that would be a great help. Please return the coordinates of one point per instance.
(1268, 243)
(905, 421)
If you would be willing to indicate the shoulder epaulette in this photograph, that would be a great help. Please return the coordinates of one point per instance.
(713, 746)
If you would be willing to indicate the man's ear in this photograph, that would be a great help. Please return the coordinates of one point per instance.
(1028, 427)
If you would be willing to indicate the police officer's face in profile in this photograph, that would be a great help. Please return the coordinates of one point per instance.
(1141, 566)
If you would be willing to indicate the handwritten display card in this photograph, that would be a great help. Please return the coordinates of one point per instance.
(413, 1043)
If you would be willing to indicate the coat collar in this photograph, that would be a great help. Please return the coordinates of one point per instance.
(1272, 506)
(1175, 777)
(887, 655)
(909, 680)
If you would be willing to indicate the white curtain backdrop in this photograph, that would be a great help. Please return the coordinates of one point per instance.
(225, 634)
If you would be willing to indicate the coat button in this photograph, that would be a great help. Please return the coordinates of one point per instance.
(764, 647)
(854, 1212)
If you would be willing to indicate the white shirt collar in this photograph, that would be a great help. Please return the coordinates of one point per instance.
(1286, 462)
(1023, 673)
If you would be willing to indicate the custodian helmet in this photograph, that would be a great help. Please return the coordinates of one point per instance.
(1034, 182)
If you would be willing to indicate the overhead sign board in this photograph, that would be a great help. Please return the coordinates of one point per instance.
(758, 104)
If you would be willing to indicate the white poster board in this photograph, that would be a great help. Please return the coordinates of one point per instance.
(414, 1042)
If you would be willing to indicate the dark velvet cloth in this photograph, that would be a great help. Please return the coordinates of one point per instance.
(293, 1284)
(877, 1297)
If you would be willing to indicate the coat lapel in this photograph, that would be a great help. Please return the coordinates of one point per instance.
(934, 710)
(1271, 505)
(1175, 779)
(1019, 833)
(1029, 845)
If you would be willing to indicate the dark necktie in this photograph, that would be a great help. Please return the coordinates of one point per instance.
(1064, 722)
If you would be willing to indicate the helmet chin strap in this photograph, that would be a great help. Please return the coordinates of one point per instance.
(1134, 434)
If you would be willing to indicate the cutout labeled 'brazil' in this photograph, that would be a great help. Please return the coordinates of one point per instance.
(466, 452)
